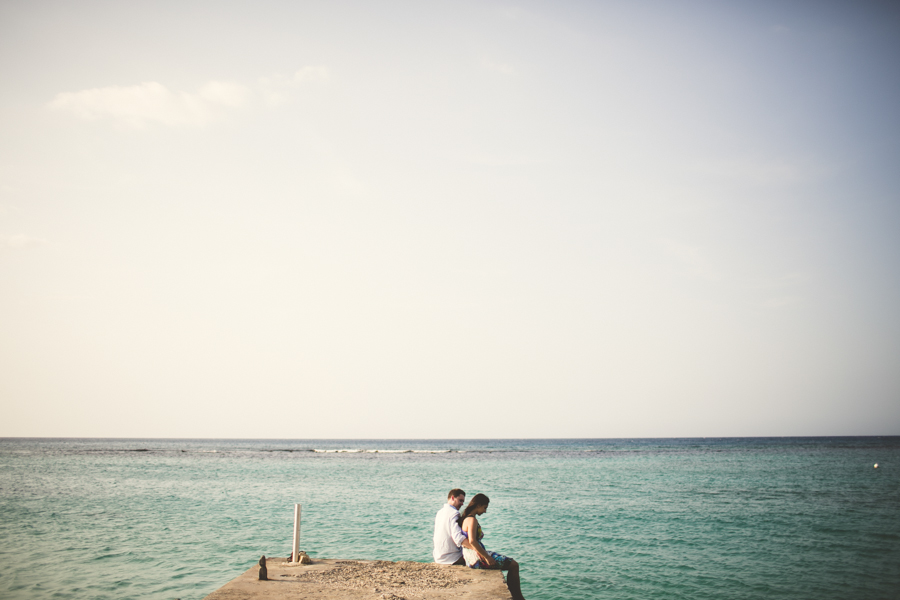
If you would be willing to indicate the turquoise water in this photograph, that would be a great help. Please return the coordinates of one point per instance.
(618, 519)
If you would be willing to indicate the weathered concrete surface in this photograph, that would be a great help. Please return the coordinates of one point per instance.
(364, 580)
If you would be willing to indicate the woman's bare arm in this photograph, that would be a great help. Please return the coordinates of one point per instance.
(465, 541)
(470, 526)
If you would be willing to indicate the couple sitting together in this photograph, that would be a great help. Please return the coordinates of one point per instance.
(457, 539)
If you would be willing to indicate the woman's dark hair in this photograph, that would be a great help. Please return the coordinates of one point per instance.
(476, 501)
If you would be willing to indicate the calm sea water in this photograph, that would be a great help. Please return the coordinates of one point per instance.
(620, 519)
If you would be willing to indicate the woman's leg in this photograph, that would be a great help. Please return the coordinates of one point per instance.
(512, 580)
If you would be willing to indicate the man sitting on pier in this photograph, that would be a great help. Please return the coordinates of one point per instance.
(448, 537)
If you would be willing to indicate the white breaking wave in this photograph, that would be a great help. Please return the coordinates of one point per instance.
(380, 451)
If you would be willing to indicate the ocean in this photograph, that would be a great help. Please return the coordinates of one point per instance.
(736, 518)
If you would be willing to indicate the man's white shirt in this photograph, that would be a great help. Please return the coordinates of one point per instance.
(448, 537)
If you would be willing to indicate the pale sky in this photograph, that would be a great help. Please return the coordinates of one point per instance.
(459, 220)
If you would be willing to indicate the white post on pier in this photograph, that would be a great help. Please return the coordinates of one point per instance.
(296, 547)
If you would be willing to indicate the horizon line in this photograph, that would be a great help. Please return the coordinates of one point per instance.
(713, 437)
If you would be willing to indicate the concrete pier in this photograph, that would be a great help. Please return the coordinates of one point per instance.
(333, 579)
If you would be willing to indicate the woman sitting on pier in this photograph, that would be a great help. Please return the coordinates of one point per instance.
(482, 559)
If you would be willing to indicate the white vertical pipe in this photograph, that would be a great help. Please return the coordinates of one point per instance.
(296, 547)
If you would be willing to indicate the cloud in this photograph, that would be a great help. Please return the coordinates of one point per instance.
(276, 89)
(151, 102)
(21, 241)
(224, 93)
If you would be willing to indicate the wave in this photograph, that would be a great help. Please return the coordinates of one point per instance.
(382, 451)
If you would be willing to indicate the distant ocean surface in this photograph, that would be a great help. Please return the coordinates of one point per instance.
(748, 518)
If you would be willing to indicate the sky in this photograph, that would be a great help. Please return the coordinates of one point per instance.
(449, 220)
